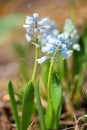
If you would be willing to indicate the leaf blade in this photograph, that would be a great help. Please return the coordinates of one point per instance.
(13, 104)
(56, 95)
(53, 110)
(27, 106)
(39, 105)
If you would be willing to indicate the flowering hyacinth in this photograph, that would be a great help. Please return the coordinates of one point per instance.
(50, 35)
(43, 33)
(64, 42)
(69, 27)
(35, 28)
(61, 44)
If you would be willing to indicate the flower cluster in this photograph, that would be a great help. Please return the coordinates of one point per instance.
(35, 28)
(49, 39)
(69, 27)
(61, 43)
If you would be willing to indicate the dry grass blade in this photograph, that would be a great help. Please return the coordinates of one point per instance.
(74, 127)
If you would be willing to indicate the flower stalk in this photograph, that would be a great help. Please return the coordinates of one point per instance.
(50, 72)
(35, 66)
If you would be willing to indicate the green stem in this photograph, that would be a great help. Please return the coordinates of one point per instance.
(35, 66)
(39, 106)
(50, 71)
(50, 109)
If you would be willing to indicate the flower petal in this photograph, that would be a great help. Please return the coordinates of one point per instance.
(28, 37)
(42, 21)
(35, 15)
(76, 47)
(42, 59)
(29, 20)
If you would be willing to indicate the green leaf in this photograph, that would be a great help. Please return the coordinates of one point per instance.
(85, 39)
(61, 67)
(77, 89)
(13, 104)
(56, 94)
(84, 93)
(45, 71)
(49, 115)
(54, 104)
(39, 105)
(27, 105)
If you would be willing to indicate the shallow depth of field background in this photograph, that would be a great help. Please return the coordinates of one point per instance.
(12, 17)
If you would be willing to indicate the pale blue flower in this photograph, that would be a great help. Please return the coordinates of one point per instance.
(50, 36)
(35, 27)
(66, 53)
(42, 59)
(32, 20)
(49, 48)
(61, 43)
(70, 28)
(43, 21)
(28, 37)
(76, 47)
(49, 39)
(64, 36)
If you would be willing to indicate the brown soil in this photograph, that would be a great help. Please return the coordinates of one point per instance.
(6, 119)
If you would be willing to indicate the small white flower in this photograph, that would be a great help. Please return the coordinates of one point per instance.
(49, 48)
(55, 32)
(70, 28)
(63, 36)
(42, 59)
(35, 15)
(51, 39)
(42, 30)
(42, 21)
(29, 20)
(36, 28)
(66, 53)
(36, 45)
(68, 43)
(28, 37)
(76, 47)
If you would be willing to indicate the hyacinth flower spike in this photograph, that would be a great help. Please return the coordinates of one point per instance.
(37, 30)
(70, 28)
(61, 45)
(35, 27)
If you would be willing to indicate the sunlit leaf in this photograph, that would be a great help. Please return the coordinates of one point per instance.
(54, 104)
(27, 105)
(13, 104)
(39, 105)
(56, 93)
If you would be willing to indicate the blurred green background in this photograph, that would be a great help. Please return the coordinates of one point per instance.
(12, 33)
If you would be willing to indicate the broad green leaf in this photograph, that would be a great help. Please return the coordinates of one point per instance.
(54, 104)
(13, 104)
(27, 105)
(49, 115)
(45, 71)
(61, 67)
(56, 97)
(39, 106)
